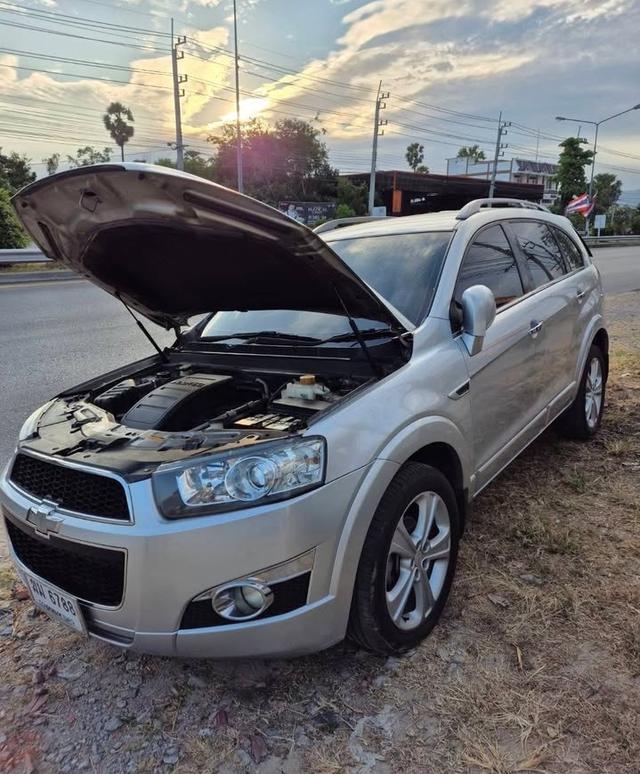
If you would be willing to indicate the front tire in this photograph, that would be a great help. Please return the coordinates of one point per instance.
(407, 563)
(583, 417)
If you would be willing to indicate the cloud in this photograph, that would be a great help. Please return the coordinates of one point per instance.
(532, 59)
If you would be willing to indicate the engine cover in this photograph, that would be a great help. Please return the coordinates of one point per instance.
(163, 407)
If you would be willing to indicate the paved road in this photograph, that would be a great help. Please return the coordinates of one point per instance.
(55, 335)
(620, 268)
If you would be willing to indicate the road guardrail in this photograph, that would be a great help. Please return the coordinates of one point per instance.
(22, 255)
(603, 241)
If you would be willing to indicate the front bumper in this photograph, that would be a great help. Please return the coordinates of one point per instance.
(169, 563)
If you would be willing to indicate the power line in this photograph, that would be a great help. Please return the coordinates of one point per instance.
(56, 17)
(82, 37)
(85, 76)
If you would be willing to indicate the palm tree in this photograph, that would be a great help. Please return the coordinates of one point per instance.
(414, 155)
(115, 122)
(472, 152)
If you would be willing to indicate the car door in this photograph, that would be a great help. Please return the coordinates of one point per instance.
(505, 376)
(586, 289)
(555, 299)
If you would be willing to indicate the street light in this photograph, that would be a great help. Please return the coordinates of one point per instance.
(595, 139)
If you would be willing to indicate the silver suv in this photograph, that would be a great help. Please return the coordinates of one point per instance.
(299, 465)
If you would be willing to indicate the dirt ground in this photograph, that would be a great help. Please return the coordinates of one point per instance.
(534, 667)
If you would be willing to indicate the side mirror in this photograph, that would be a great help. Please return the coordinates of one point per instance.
(478, 313)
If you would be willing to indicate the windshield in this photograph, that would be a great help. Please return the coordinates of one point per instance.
(403, 268)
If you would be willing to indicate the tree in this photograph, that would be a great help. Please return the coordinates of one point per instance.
(344, 211)
(89, 155)
(607, 189)
(353, 197)
(15, 171)
(11, 234)
(422, 170)
(571, 177)
(52, 163)
(623, 219)
(280, 162)
(115, 122)
(194, 163)
(472, 152)
(414, 155)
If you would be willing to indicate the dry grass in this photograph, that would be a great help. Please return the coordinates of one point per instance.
(535, 666)
(16, 268)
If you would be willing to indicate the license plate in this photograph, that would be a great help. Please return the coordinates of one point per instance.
(55, 602)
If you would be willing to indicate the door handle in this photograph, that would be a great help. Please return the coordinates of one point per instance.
(536, 327)
(580, 293)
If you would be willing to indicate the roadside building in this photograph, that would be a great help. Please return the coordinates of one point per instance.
(515, 170)
(412, 193)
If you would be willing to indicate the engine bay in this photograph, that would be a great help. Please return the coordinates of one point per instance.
(176, 410)
(188, 398)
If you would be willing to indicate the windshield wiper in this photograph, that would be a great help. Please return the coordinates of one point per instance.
(368, 333)
(253, 337)
(375, 367)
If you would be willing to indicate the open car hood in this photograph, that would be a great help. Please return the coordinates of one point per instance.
(172, 245)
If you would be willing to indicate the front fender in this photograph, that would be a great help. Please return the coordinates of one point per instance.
(427, 430)
(397, 451)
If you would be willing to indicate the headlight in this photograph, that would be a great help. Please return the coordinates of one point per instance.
(241, 478)
(31, 423)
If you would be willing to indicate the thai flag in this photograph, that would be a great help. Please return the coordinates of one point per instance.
(582, 204)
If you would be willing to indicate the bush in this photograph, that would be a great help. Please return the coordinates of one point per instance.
(344, 211)
(11, 233)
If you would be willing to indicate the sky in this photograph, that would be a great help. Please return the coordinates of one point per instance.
(449, 68)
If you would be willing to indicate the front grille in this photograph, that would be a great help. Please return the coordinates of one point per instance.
(288, 595)
(74, 490)
(88, 572)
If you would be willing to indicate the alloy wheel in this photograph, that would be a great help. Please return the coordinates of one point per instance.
(593, 393)
(418, 560)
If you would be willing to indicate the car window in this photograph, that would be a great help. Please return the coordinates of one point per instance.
(540, 249)
(490, 261)
(403, 268)
(572, 255)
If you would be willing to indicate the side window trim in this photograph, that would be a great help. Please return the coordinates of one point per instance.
(525, 275)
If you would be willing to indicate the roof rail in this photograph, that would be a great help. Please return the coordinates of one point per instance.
(330, 225)
(480, 204)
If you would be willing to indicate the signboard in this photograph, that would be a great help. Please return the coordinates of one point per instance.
(600, 221)
(308, 213)
(379, 211)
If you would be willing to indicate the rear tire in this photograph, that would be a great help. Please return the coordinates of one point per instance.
(407, 563)
(583, 417)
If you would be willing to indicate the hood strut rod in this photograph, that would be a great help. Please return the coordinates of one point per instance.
(375, 368)
(153, 342)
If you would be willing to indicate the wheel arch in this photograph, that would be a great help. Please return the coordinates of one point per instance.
(443, 457)
(601, 340)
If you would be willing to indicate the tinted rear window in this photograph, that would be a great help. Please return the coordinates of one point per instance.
(541, 251)
(403, 268)
(572, 255)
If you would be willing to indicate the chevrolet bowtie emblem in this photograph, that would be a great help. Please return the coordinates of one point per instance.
(43, 518)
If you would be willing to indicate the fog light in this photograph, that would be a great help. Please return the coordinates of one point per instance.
(242, 600)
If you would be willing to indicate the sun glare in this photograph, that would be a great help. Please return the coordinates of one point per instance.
(249, 108)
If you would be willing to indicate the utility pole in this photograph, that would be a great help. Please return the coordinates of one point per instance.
(177, 94)
(238, 132)
(377, 123)
(502, 130)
